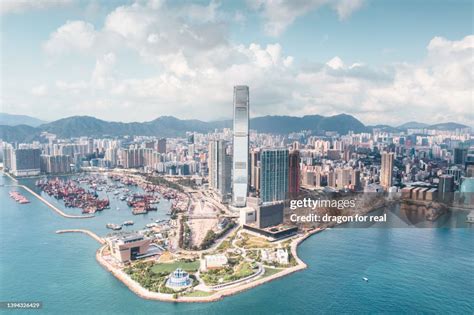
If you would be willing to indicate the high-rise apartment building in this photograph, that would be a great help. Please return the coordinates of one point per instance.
(240, 165)
(343, 177)
(386, 170)
(212, 164)
(162, 145)
(25, 162)
(294, 173)
(355, 180)
(111, 156)
(332, 179)
(55, 164)
(459, 155)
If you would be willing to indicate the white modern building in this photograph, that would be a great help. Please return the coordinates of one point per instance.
(178, 279)
(213, 262)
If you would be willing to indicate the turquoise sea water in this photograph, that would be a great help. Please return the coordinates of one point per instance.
(409, 269)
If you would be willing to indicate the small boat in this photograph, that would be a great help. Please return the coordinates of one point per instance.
(365, 279)
(114, 227)
(128, 222)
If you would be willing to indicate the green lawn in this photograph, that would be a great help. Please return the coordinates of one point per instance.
(170, 267)
(199, 293)
(271, 271)
(224, 245)
(244, 270)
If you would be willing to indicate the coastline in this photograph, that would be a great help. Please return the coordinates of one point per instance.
(144, 293)
(149, 295)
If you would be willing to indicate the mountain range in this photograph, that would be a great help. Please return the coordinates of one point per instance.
(168, 126)
(14, 120)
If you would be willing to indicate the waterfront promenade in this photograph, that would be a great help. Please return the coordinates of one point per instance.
(217, 295)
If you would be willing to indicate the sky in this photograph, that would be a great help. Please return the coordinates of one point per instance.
(382, 61)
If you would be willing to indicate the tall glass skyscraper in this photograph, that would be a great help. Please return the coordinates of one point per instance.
(274, 174)
(240, 163)
(220, 168)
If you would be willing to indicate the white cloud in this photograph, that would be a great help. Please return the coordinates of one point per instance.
(71, 87)
(345, 8)
(19, 6)
(439, 88)
(39, 90)
(192, 67)
(200, 13)
(279, 14)
(335, 63)
(103, 71)
(72, 36)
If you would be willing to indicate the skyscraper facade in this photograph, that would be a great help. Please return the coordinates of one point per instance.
(294, 173)
(162, 145)
(274, 174)
(254, 169)
(343, 177)
(240, 165)
(446, 184)
(224, 164)
(220, 164)
(55, 164)
(386, 170)
(355, 180)
(212, 164)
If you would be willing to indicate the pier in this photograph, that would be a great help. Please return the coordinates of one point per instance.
(87, 232)
(49, 204)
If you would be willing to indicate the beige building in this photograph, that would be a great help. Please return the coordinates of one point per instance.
(386, 171)
(129, 247)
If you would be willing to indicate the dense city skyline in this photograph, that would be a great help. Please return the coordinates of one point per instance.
(167, 156)
(233, 189)
(125, 61)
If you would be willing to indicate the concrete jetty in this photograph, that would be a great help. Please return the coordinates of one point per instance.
(49, 204)
(87, 232)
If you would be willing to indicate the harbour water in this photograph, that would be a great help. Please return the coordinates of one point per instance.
(409, 269)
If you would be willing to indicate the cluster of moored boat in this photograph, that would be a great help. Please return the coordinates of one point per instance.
(140, 203)
(82, 192)
(15, 195)
(73, 194)
(117, 227)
